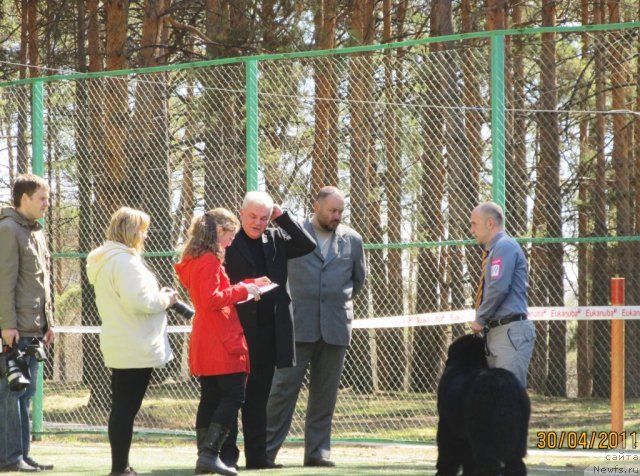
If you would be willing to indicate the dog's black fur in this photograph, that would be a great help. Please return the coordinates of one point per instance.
(484, 415)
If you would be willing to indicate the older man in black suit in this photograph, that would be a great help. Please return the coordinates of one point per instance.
(268, 325)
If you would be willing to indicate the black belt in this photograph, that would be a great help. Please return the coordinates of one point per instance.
(506, 320)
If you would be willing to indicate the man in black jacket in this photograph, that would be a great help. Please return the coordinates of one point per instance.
(268, 324)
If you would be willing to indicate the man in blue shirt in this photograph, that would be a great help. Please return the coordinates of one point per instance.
(501, 299)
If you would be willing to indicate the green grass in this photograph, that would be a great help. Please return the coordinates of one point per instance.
(89, 455)
(390, 416)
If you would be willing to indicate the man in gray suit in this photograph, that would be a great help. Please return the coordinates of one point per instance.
(322, 284)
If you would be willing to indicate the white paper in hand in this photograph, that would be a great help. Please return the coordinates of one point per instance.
(263, 289)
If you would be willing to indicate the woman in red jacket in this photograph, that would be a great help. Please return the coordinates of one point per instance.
(218, 352)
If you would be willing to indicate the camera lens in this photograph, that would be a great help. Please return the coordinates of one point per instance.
(15, 377)
(183, 309)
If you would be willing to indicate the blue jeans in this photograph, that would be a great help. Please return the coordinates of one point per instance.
(15, 432)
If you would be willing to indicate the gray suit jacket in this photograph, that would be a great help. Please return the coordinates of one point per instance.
(322, 290)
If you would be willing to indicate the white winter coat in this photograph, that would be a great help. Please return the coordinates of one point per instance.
(132, 309)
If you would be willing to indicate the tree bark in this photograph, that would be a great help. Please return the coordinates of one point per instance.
(149, 146)
(324, 168)
(360, 113)
(461, 185)
(473, 100)
(223, 111)
(516, 166)
(600, 284)
(388, 360)
(108, 112)
(23, 119)
(430, 342)
(111, 192)
(623, 195)
(583, 344)
(547, 260)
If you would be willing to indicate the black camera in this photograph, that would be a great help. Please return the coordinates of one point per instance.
(14, 368)
(36, 350)
(182, 309)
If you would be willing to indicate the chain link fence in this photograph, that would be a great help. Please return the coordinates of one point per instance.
(416, 134)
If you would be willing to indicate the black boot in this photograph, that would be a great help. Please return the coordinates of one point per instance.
(209, 442)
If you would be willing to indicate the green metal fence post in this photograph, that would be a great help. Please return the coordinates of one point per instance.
(498, 118)
(37, 167)
(252, 124)
(37, 128)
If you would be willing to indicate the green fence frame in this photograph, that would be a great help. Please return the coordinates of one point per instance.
(498, 114)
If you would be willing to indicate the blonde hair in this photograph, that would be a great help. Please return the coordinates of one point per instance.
(202, 236)
(127, 226)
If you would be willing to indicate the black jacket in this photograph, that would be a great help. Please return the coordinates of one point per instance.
(279, 245)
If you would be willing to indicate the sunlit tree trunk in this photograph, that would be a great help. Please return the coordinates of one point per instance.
(461, 184)
(600, 284)
(149, 142)
(22, 96)
(358, 368)
(429, 342)
(583, 344)
(473, 119)
(111, 191)
(223, 110)
(85, 220)
(148, 145)
(324, 169)
(108, 120)
(547, 260)
(516, 166)
(623, 198)
(388, 360)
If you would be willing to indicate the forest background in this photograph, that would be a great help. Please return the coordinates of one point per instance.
(412, 177)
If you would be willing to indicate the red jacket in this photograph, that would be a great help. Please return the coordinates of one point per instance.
(218, 345)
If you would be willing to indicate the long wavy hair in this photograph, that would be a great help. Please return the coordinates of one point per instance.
(202, 236)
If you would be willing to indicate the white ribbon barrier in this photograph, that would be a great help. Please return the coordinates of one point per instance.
(581, 313)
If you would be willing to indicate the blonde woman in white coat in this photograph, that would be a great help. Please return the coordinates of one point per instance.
(133, 334)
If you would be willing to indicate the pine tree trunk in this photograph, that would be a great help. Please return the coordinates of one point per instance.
(600, 284)
(358, 369)
(584, 349)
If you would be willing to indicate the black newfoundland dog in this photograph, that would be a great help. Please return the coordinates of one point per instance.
(484, 415)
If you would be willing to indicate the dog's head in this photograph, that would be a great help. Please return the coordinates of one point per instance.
(467, 349)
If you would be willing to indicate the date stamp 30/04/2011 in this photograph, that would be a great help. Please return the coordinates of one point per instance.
(591, 440)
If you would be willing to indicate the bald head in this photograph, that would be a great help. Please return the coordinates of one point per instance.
(328, 208)
(328, 191)
(492, 210)
(487, 221)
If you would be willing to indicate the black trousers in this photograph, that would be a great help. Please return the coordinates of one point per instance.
(254, 408)
(221, 397)
(128, 387)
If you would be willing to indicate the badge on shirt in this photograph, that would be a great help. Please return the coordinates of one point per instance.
(496, 268)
